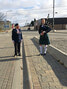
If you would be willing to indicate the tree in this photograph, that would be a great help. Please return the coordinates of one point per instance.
(2, 16)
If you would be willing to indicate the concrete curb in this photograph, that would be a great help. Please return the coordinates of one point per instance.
(30, 86)
(29, 75)
(34, 82)
(56, 53)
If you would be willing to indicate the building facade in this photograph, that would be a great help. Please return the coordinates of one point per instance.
(59, 23)
(5, 25)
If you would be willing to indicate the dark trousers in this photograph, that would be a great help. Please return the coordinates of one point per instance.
(17, 47)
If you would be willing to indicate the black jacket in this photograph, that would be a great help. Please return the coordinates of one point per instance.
(16, 37)
(44, 28)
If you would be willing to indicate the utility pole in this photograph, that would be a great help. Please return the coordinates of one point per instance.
(53, 12)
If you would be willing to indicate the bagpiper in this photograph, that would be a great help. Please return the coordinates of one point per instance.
(44, 38)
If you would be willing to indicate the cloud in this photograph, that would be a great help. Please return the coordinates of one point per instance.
(61, 3)
(16, 4)
(27, 10)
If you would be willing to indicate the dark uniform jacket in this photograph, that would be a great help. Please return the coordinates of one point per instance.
(44, 39)
(44, 28)
(16, 37)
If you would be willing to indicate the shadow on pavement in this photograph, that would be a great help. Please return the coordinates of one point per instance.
(5, 57)
(9, 59)
(59, 70)
(33, 55)
(25, 71)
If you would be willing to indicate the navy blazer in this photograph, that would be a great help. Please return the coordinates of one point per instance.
(16, 37)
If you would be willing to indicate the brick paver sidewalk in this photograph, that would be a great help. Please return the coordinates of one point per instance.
(10, 67)
(46, 72)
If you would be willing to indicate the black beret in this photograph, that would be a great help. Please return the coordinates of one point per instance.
(16, 24)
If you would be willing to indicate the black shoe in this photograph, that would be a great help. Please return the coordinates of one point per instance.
(41, 54)
(44, 54)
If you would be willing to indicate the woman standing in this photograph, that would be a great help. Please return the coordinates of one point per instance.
(44, 39)
(17, 39)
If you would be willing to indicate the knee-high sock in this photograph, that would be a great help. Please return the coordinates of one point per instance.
(45, 49)
(41, 49)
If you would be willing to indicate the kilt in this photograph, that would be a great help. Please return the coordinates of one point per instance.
(44, 40)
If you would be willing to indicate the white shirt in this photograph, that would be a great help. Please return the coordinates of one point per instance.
(17, 30)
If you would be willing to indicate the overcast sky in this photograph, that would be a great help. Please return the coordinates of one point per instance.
(22, 11)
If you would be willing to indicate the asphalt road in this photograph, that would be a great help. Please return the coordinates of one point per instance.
(58, 39)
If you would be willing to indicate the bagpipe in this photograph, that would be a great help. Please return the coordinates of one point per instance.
(48, 29)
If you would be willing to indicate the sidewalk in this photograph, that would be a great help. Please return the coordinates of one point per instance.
(45, 71)
(42, 72)
(11, 74)
(61, 31)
